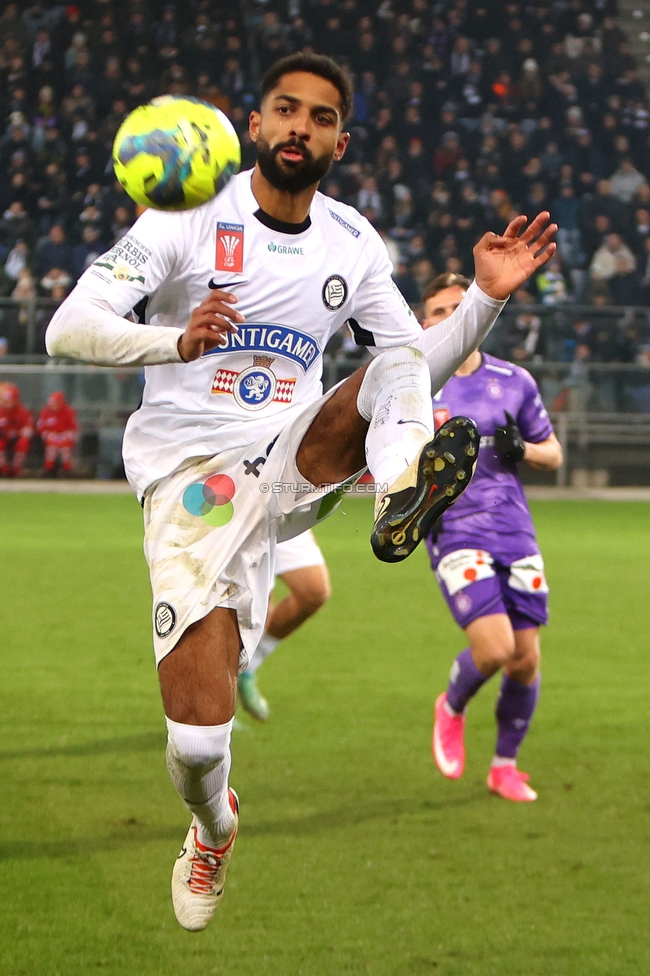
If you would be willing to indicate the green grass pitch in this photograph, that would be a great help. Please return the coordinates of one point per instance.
(355, 856)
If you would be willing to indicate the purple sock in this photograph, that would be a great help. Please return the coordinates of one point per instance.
(515, 707)
(465, 680)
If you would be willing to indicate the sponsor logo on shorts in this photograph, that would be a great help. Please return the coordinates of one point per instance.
(279, 340)
(335, 292)
(253, 467)
(164, 619)
(211, 500)
(339, 220)
(230, 247)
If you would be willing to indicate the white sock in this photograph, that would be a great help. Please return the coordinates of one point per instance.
(450, 711)
(395, 397)
(503, 761)
(265, 647)
(198, 760)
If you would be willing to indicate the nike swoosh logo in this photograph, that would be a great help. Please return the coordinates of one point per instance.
(418, 422)
(224, 284)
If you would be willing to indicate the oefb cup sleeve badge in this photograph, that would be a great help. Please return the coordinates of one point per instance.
(230, 248)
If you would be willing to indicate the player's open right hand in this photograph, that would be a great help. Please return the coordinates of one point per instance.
(208, 325)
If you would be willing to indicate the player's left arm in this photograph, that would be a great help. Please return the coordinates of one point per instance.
(540, 449)
(546, 455)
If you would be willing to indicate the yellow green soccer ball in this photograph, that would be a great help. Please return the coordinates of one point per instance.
(175, 153)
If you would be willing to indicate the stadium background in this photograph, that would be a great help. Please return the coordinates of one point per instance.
(355, 855)
(464, 114)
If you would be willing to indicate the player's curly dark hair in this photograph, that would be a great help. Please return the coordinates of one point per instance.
(446, 280)
(313, 64)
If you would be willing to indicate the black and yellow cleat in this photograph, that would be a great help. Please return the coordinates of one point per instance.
(413, 504)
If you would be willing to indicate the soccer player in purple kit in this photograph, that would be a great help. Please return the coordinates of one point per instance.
(485, 554)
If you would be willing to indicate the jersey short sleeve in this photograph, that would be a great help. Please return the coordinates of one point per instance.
(532, 418)
(138, 263)
(381, 315)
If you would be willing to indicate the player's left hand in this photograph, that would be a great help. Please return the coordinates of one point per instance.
(504, 262)
(508, 441)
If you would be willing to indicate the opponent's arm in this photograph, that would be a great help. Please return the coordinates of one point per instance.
(545, 456)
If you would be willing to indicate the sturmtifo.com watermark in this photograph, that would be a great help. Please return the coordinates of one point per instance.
(361, 488)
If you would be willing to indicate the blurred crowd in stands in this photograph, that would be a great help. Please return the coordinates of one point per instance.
(466, 112)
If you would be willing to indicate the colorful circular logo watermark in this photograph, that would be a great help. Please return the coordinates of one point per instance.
(211, 500)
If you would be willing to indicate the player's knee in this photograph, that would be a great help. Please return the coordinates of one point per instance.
(193, 748)
(315, 597)
(497, 653)
(400, 358)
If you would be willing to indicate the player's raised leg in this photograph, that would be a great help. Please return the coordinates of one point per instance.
(515, 708)
(382, 417)
(198, 681)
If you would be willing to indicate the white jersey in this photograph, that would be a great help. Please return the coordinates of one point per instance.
(295, 289)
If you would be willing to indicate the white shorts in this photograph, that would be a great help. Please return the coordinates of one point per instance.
(212, 526)
(298, 553)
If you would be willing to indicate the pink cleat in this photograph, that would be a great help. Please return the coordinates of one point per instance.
(447, 745)
(510, 783)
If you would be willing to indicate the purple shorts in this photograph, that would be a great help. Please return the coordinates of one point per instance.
(476, 584)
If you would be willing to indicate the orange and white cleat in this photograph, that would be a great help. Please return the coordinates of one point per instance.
(510, 783)
(448, 745)
(199, 876)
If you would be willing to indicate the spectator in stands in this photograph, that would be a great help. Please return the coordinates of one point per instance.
(613, 257)
(626, 181)
(17, 259)
(551, 284)
(53, 252)
(15, 225)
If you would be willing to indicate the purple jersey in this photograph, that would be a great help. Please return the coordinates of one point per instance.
(492, 512)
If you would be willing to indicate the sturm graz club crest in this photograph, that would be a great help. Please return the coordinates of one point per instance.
(164, 619)
(255, 386)
(335, 292)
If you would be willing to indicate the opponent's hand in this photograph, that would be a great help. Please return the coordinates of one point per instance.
(208, 324)
(504, 263)
(508, 441)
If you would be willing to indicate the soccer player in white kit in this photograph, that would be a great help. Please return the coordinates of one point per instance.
(234, 446)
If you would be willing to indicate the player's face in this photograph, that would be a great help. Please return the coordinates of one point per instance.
(441, 306)
(298, 131)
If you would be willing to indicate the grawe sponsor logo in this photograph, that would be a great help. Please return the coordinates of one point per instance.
(285, 249)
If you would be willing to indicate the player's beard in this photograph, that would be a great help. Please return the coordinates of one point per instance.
(309, 171)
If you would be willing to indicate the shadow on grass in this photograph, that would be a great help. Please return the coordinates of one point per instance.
(136, 834)
(145, 742)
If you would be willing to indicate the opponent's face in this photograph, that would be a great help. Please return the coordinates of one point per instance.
(298, 131)
(441, 306)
